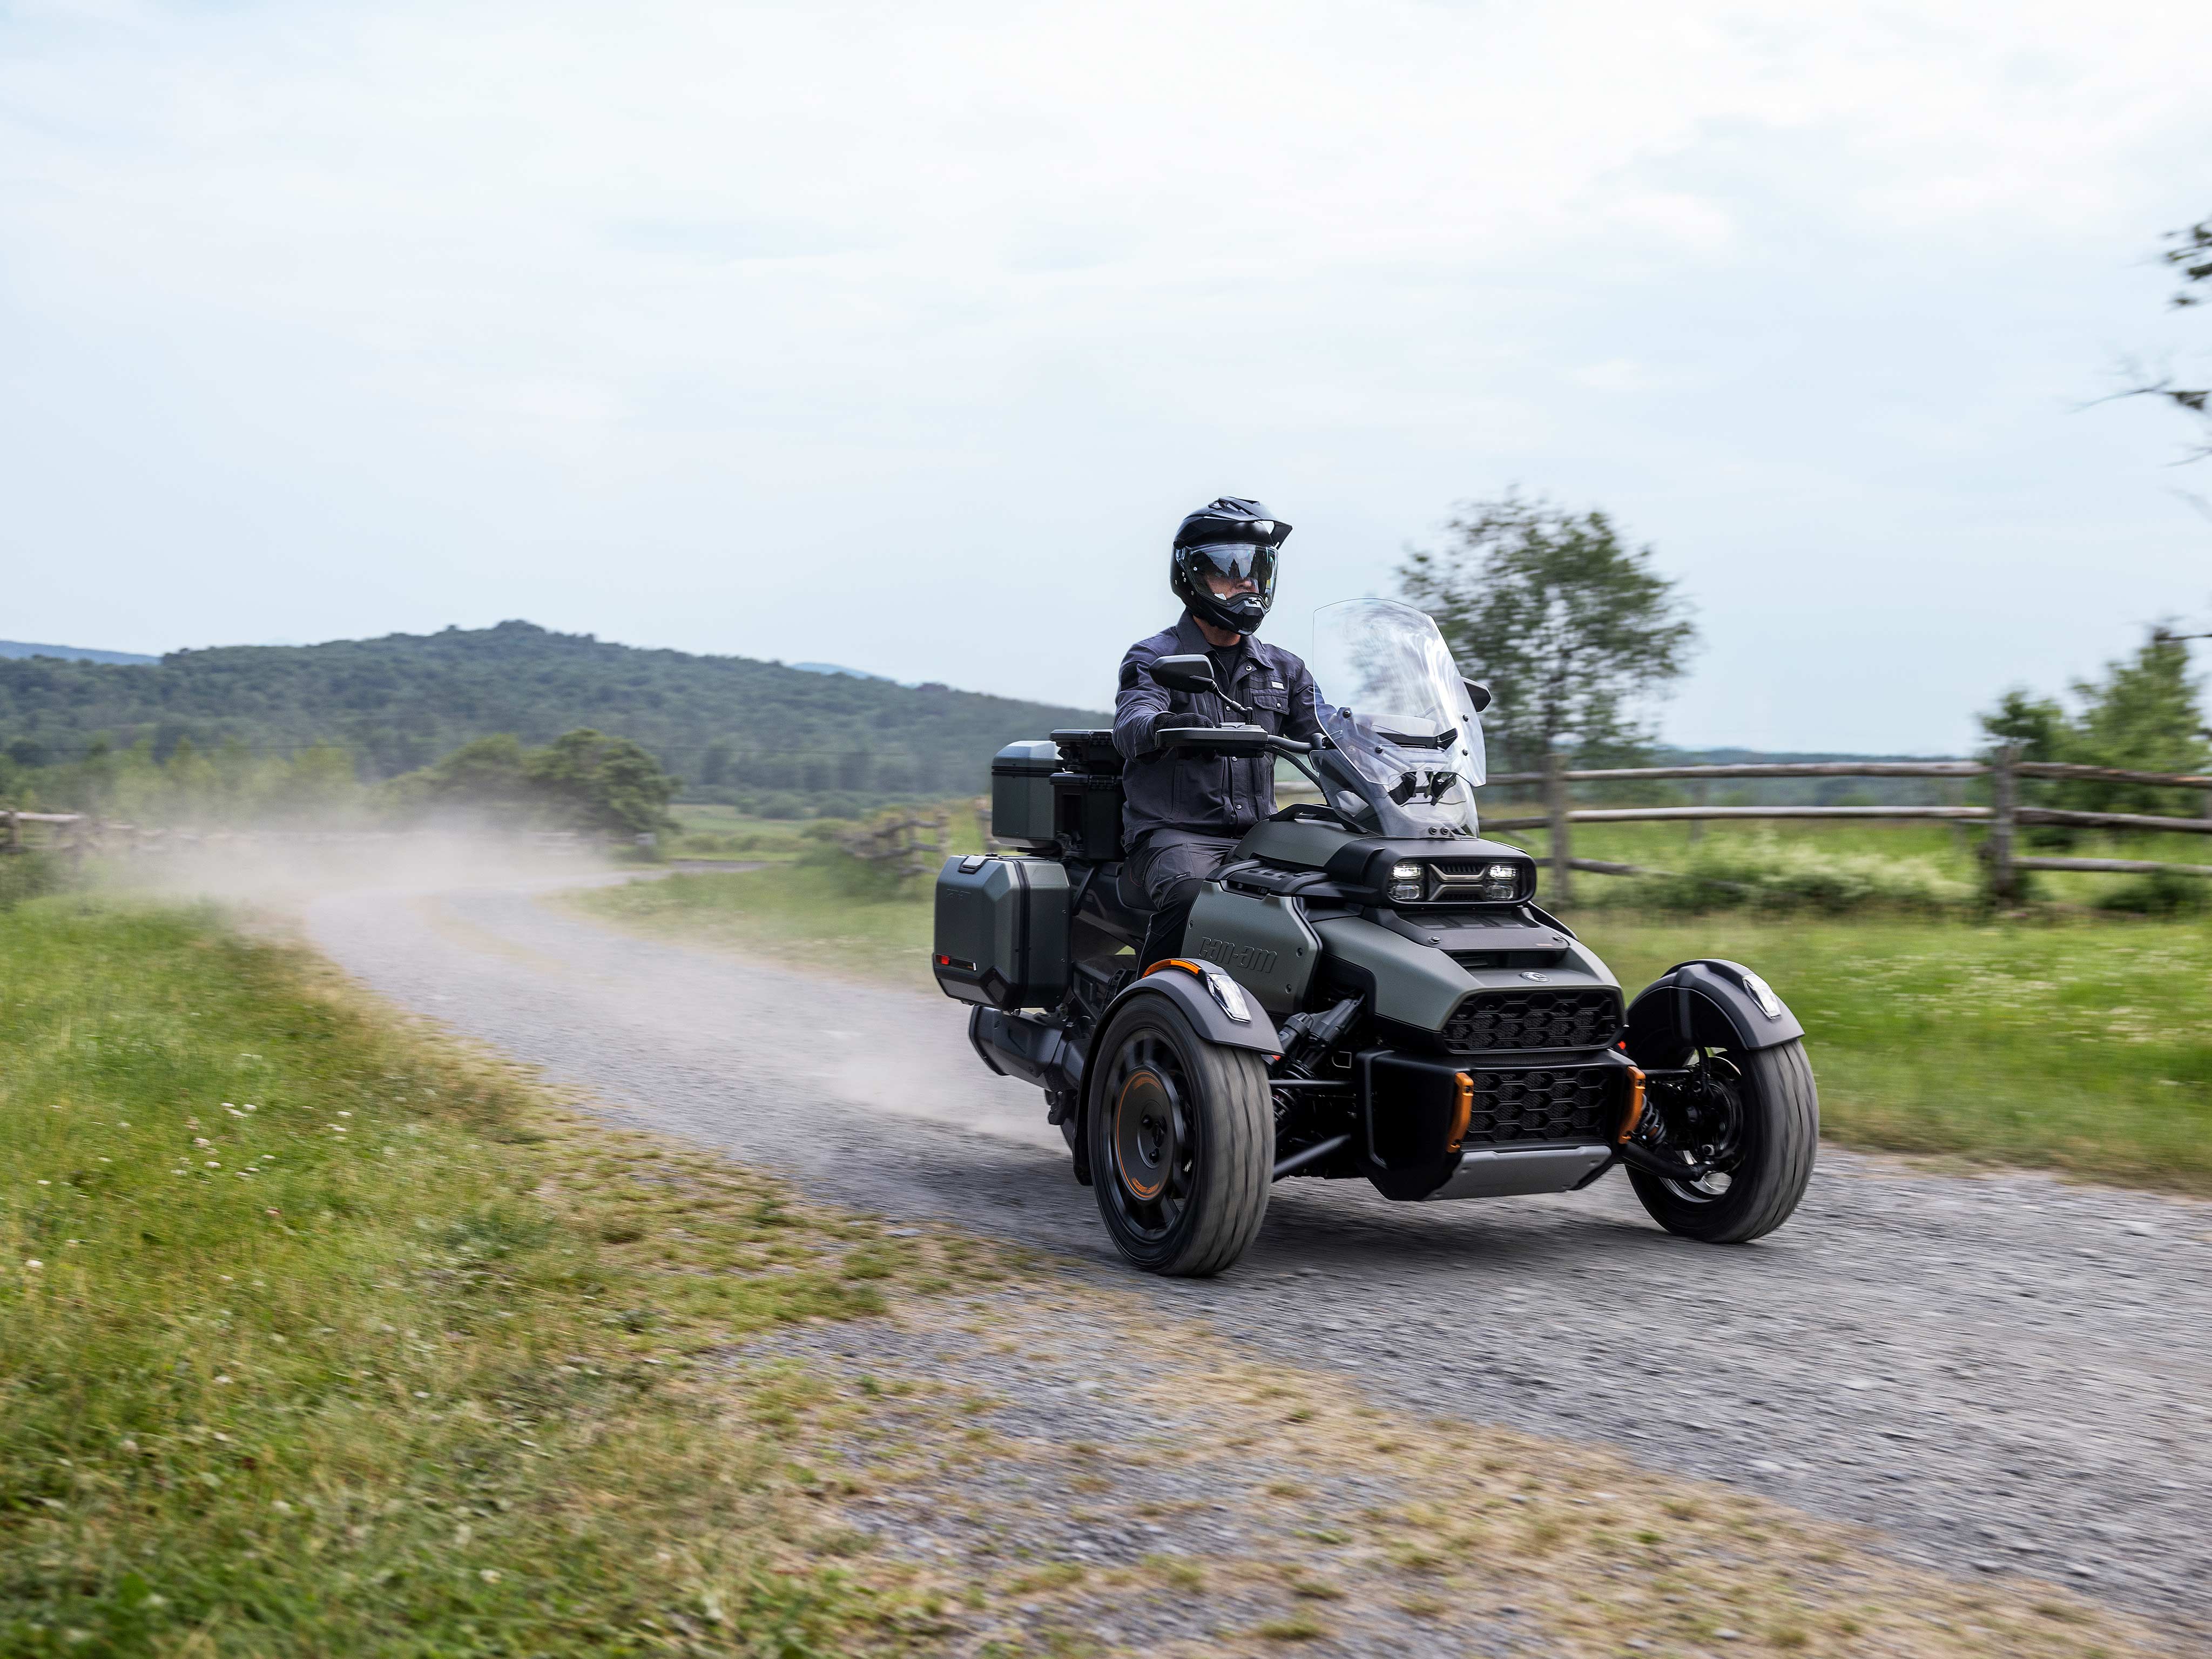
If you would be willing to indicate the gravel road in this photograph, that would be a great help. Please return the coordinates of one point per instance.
(1999, 1373)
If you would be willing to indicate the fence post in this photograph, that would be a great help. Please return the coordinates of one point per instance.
(13, 842)
(1557, 804)
(1701, 791)
(2004, 799)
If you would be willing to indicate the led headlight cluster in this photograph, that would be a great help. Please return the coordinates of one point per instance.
(1461, 883)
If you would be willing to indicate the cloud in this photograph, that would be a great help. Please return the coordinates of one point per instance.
(897, 337)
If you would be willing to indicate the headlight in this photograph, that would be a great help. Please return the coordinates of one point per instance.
(1498, 881)
(1454, 882)
(1409, 882)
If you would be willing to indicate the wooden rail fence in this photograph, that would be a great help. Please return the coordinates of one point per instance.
(2002, 862)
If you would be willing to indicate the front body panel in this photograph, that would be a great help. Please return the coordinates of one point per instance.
(1294, 844)
(1266, 944)
(1410, 984)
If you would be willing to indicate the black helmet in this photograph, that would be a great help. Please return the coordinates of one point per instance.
(1230, 537)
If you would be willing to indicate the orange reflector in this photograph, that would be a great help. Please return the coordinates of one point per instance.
(1176, 962)
(1463, 1109)
(1635, 1105)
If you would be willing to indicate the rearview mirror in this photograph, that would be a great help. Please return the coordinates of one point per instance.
(1477, 694)
(1193, 673)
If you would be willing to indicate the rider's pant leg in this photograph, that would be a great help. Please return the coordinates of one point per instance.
(1171, 865)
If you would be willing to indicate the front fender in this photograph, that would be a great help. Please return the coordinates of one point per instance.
(1710, 1004)
(1184, 983)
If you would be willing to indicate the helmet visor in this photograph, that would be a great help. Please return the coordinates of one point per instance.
(1234, 562)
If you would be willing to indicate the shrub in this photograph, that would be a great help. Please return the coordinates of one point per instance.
(1778, 876)
(25, 876)
(2159, 893)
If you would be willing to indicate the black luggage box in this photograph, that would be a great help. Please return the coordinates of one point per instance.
(1021, 797)
(1001, 937)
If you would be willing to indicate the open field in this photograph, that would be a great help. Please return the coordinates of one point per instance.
(707, 831)
(319, 1336)
(2070, 1042)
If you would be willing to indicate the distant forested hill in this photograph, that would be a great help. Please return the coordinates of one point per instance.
(732, 727)
(77, 652)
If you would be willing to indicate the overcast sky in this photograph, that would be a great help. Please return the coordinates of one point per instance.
(901, 337)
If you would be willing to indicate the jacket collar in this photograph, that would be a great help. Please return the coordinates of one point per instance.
(1192, 643)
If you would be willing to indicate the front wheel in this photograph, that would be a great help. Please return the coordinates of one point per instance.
(1182, 1135)
(1751, 1118)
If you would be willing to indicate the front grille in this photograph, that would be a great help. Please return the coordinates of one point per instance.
(1485, 1021)
(1572, 1104)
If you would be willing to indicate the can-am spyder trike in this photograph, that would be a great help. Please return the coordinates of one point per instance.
(1366, 990)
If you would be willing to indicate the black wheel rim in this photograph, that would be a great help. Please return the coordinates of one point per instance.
(1704, 1125)
(1151, 1137)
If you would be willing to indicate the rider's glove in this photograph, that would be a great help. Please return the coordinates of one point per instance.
(1173, 720)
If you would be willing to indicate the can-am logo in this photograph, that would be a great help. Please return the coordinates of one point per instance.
(1540, 979)
(1250, 958)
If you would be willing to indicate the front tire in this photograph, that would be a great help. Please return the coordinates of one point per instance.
(1759, 1110)
(1181, 1136)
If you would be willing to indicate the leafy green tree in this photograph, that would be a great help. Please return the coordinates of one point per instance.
(1570, 628)
(2143, 715)
(714, 765)
(583, 780)
(603, 783)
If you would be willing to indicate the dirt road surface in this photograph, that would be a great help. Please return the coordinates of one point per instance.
(2001, 1374)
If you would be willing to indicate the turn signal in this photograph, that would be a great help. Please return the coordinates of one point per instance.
(1463, 1109)
(1635, 1115)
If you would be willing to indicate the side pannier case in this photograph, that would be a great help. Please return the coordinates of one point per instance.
(1002, 930)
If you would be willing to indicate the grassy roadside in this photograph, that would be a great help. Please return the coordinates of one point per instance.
(2077, 1044)
(317, 1337)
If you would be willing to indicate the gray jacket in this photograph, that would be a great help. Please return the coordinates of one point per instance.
(1211, 795)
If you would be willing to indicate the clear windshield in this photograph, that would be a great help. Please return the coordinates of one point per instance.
(1402, 732)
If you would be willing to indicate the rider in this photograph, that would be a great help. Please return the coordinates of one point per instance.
(1186, 810)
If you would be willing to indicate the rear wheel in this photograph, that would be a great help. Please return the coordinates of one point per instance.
(1182, 1134)
(1752, 1117)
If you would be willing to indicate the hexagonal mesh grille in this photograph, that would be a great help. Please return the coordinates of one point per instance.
(1579, 1103)
(1487, 1020)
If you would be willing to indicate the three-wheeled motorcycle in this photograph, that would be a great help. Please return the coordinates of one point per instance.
(1367, 990)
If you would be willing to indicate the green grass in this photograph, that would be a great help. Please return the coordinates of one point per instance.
(319, 1337)
(807, 914)
(2075, 1044)
(2071, 1042)
(710, 831)
(722, 832)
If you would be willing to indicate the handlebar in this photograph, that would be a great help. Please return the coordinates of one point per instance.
(1246, 740)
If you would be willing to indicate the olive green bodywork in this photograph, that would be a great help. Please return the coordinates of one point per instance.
(1270, 947)
(1265, 943)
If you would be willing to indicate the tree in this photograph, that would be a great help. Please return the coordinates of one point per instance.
(2143, 716)
(1570, 629)
(599, 782)
(583, 780)
(2190, 253)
